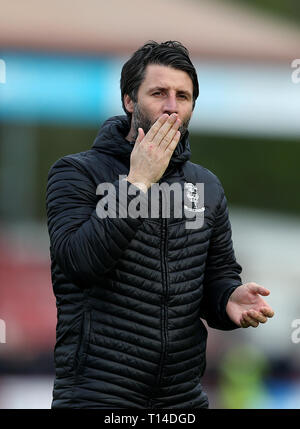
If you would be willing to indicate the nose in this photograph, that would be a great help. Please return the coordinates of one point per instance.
(170, 105)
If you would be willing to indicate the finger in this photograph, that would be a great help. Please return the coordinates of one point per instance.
(156, 126)
(250, 321)
(171, 147)
(164, 129)
(259, 317)
(267, 311)
(244, 324)
(170, 135)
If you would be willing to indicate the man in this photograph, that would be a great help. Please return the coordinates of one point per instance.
(131, 290)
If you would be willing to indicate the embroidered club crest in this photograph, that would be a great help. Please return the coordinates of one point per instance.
(193, 197)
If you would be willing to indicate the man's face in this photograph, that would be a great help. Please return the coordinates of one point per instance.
(164, 90)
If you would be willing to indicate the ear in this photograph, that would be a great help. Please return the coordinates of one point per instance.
(128, 103)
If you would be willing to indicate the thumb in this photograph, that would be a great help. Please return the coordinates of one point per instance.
(140, 136)
(257, 289)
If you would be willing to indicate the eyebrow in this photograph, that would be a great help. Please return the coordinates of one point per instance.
(161, 88)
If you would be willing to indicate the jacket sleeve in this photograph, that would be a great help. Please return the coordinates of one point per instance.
(84, 245)
(222, 273)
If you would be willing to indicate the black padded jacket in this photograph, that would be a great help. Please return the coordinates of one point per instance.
(131, 291)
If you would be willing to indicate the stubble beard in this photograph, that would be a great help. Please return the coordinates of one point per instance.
(141, 120)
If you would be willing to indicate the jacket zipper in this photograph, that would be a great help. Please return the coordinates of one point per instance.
(165, 292)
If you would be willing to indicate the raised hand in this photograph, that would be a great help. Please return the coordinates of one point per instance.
(152, 152)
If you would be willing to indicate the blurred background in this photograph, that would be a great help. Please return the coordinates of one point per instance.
(60, 64)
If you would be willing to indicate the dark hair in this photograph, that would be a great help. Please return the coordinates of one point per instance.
(170, 53)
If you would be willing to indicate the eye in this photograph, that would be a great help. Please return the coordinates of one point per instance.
(157, 93)
(183, 96)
